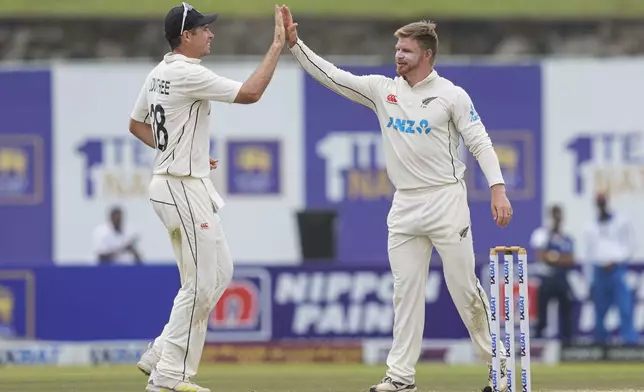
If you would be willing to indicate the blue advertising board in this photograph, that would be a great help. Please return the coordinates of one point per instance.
(25, 169)
(17, 304)
(345, 167)
(261, 304)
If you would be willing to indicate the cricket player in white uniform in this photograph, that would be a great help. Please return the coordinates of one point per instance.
(172, 115)
(422, 117)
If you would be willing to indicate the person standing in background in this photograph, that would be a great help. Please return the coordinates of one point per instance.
(610, 245)
(554, 251)
(113, 244)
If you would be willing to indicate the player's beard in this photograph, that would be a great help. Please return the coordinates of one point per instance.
(402, 68)
(405, 68)
(407, 63)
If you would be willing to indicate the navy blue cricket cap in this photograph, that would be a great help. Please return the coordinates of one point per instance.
(193, 18)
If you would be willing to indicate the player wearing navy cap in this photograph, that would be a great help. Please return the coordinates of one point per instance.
(172, 115)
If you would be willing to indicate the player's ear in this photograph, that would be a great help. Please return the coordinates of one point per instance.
(186, 35)
(430, 55)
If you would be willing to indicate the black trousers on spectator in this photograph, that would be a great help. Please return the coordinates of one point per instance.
(555, 288)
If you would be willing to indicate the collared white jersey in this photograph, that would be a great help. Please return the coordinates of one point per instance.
(107, 240)
(611, 241)
(421, 125)
(175, 101)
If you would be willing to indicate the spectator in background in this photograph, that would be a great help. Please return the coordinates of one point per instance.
(609, 242)
(554, 250)
(113, 244)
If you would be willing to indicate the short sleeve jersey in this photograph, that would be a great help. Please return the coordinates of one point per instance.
(175, 101)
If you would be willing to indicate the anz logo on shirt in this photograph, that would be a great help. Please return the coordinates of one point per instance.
(409, 126)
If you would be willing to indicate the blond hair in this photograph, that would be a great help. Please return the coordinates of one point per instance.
(424, 32)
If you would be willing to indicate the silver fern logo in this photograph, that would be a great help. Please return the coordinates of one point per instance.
(427, 100)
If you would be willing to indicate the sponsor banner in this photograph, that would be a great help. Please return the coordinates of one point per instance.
(349, 302)
(116, 353)
(309, 351)
(455, 351)
(244, 311)
(595, 353)
(264, 304)
(261, 304)
(30, 353)
(594, 142)
(103, 165)
(17, 304)
(54, 353)
(254, 167)
(346, 168)
(109, 300)
(323, 303)
(25, 170)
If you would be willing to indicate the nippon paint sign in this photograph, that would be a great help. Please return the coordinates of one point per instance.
(343, 302)
(320, 303)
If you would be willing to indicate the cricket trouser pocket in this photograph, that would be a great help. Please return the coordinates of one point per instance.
(186, 209)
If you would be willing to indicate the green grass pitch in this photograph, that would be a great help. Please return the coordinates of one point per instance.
(385, 8)
(320, 378)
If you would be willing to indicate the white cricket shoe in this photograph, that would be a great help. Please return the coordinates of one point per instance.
(503, 377)
(389, 385)
(148, 360)
(168, 385)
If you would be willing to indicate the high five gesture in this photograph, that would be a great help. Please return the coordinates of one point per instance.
(291, 28)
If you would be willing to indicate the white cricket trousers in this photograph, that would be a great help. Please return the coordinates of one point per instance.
(418, 221)
(205, 268)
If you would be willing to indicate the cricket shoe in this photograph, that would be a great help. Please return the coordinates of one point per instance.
(168, 385)
(148, 360)
(503, 378)
(389, 385)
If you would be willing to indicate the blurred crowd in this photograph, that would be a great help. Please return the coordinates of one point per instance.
(35, 39)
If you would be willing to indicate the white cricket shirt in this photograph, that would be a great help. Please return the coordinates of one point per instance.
(421, 125)
(611, 241)
(175, 101)
(107, 240)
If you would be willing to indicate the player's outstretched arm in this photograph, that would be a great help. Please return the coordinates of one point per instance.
(253, 89)
(357, 88)
(203, 84)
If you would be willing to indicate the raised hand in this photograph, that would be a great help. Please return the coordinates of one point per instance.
(291, 28)
(280, 34)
